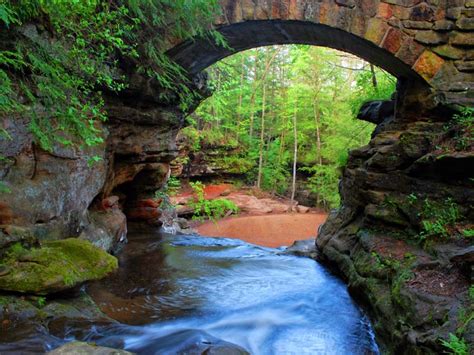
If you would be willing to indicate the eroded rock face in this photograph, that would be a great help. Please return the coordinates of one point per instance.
(199, 158)
(48, 192)
(107, 229)
(399, 266)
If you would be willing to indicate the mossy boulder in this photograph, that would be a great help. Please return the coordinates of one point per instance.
(56, 266)
(78, 347)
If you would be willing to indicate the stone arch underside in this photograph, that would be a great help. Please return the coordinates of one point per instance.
(199, 54)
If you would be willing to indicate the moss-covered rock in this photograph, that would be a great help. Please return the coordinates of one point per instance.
(77, 347)
(56, 266)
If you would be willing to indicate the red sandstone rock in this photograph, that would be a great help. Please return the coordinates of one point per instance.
(6, 214)
(143, 214)
(110, 202)
(153, 203)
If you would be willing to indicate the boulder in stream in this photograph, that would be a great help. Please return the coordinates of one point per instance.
(80, 348)
(55, 266)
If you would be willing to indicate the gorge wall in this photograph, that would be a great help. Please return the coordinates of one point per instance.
(416, 158)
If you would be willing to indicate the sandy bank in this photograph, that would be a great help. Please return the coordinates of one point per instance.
(273, 230)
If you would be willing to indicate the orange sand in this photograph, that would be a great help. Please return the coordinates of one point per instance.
(272, 230)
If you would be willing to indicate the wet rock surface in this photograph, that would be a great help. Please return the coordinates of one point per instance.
(80, 348)
(35, 325)
(413, 280)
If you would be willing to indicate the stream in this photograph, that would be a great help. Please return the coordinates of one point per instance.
(187, 294)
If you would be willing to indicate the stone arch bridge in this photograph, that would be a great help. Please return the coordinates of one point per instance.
(428, 41)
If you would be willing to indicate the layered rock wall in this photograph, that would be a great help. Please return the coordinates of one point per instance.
(400, 238)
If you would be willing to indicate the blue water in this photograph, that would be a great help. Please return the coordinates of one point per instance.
(188, 294)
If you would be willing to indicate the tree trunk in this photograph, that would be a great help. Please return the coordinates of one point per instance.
(268, 63)
(374, 78)
(262, 135)
(239, 112)
(295, 156)
(317, 118)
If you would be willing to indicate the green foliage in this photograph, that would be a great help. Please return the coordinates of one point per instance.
(41, 302)
(192, 137)
(305, 81)
(468, 233)
(62, 79)
(211, 209)
(324, 181)
(93, 160)
(437, 217)
(174, 185)
(16, 250)
(163, 19)
(235, 164)
(463, 126)
(465, 117)
(455, 345)
(4, 188)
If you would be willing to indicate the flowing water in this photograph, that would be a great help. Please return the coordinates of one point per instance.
(184, 294)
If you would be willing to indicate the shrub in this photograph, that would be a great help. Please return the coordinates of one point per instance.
(457, 346)
(436, 218)
(211, 209)
(173, 185)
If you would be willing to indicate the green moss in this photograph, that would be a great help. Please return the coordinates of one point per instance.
(56, 266)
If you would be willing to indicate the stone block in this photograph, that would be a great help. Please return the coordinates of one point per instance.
(341, 18)
(358, 24)
(294, 11)
(421, 12)
(467, 12)
(447, 51)
(404, 3)
(453, 13)
(465, 66)
(431, 37)
(462, 39)
(417, 25)
(385, 10)
(392, 40)
(469, 54)
(376, 30)
(368, 7)
(465, 23)
(443, 25)
(410, 50)
(402, 13)
(263, 10)
(346, 3)
(428, 64)
(247, 9)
